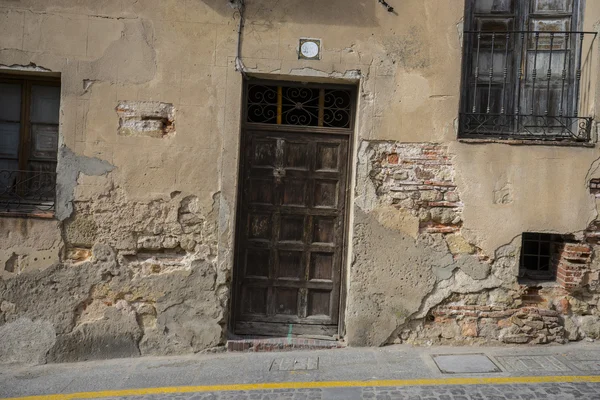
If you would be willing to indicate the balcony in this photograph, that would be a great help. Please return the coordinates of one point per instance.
(525, 85)
(30, 193)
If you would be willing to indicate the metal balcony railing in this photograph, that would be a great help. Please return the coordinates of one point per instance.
(27, 191)
(524, 85)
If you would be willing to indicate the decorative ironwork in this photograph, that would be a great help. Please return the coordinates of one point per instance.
(299, 105)
(27, 191)
(534, 127)
(523, 84)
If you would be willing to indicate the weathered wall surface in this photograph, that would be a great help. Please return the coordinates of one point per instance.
(129, 265)
(139, 257)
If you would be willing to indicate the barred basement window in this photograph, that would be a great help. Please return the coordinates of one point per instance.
(29, 113)
(539, 252)
(299, 104)
(522, 70)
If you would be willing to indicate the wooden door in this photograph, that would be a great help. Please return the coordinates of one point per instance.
(290, 236)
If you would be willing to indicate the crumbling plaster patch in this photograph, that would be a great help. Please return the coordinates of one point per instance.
(70, 165)
(395, 279)
(398, 255)
(28, 244)
(105, 304)
(473, 297)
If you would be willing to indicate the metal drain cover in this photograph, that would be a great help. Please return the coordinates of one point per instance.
(295, 364)
(465, 364)
(532, 364)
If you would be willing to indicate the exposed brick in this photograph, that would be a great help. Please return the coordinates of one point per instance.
(423, 173)
(442, 229)
(146, 118)
(444, 204)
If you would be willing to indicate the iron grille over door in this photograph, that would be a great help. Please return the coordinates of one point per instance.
(522, 70)
(299, 104)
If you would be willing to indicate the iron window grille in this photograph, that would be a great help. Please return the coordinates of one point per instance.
(539, 256)
(523, 83)
(27, 191)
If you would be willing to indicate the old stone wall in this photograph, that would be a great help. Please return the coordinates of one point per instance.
(411, 209)
(139, 258)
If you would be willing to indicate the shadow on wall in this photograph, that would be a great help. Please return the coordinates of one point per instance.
(330, 12)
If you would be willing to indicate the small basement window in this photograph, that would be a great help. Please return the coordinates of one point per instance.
(539, 252)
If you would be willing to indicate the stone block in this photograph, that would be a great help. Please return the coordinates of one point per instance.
(571, 330)
(431, 195)
(469, 328)
(537, 325)
(451, 196)
(517, 339)
(458, 245)
(444, 215)
(590, 326)
(489, 328)
(450, 329)
(401, 175)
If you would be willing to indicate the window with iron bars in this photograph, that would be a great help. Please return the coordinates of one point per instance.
(29, 114)
(538, 256)
(522, 70)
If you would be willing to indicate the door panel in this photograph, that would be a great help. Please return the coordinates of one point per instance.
(290, 238)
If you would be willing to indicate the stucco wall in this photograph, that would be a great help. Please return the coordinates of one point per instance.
(158, 211)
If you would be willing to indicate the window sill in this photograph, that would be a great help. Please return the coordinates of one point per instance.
(30, 214)
(534, 283)
(528, 142)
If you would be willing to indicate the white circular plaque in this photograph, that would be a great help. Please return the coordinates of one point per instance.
(309, 49)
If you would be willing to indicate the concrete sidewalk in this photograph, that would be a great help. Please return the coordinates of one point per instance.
(401, 364)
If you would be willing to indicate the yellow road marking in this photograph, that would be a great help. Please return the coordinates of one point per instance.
(313, 385)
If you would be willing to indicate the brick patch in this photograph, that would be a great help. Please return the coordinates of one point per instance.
(418, 177)
(573, 264)
(146, 118)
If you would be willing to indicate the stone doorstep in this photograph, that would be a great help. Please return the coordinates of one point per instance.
(270, 344)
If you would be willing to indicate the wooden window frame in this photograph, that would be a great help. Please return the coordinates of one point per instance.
(516, 90)
(27, 81)
(534, 273)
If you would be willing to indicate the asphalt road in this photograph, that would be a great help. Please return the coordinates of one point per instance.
(550, 391)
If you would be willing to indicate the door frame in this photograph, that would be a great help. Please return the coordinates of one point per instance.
(348, 132)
